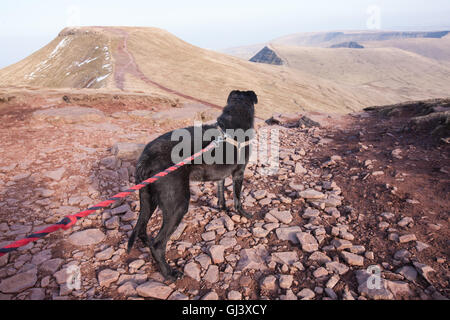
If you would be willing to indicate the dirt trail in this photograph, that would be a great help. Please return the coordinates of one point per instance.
(125, 63)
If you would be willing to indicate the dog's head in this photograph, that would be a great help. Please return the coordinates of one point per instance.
(237, 95)
(240, 110)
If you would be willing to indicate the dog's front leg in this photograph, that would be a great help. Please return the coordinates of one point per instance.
(221, 195)
(238, 179)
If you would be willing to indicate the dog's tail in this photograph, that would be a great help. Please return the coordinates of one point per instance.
(142, 168)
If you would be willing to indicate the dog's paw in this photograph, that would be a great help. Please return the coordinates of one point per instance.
(174, 275)
(244, 213)
(221, 207)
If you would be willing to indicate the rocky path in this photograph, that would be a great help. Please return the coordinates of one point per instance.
(340, 203)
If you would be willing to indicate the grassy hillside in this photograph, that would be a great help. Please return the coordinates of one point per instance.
(392, 73)
(153, 60)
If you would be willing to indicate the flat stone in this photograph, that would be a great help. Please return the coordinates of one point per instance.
(120, 209)
(41, 257)
(136, 264)
(260, 194)
(253, 258)
(51, 266)
(424, 270)
(269, 283)
(136, 278)
(234, 295)
(405, 222)
(192, 270)
(312, 194)
(306, 294)
(270, 218)
(341, 244)
(55, 175)
(19, 282)
(320, 257)
(398, 288)
(154, 289)
(420, 246)
(296, 187)
(288, 233)
(228, 242)
(176, 295)
(112, 223)
(307, 242)
(178, 231)
(288, 258)
(330, 293)
(408, 272)
(209, 236)
(128, 289)
(282, 216)
(4, 260)
(37, 294)
(387, 215)
(127, 150)
(402, 254)
(211, 296)
(131, 216)
(105, 254)
(285, 281)
(259, 232)
(62, 276)
(212, 274)
(310, 213)
(107, 276)
(299, 169)
(21, 176)
(352, 259)
(332, 281)
(358, 249)
(216, 253)
(336, 267)
(407, 238)
(204, 260)
(86, 237)
(320, 272)
(347, 236)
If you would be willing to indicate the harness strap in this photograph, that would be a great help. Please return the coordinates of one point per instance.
(239, 145)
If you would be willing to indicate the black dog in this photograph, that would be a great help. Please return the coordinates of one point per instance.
(172, 193)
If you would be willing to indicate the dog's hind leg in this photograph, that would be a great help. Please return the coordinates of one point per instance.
(221, 195)
(148, 205)
(174, 202)
(238, 179)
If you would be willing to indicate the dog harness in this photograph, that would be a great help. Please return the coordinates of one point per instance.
(225, 137)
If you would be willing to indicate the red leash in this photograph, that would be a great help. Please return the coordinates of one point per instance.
(69, 221)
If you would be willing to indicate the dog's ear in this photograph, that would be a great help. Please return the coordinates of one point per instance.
(232, 94)
(252, 96)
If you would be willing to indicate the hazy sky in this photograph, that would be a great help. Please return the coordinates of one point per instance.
(27, 25)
